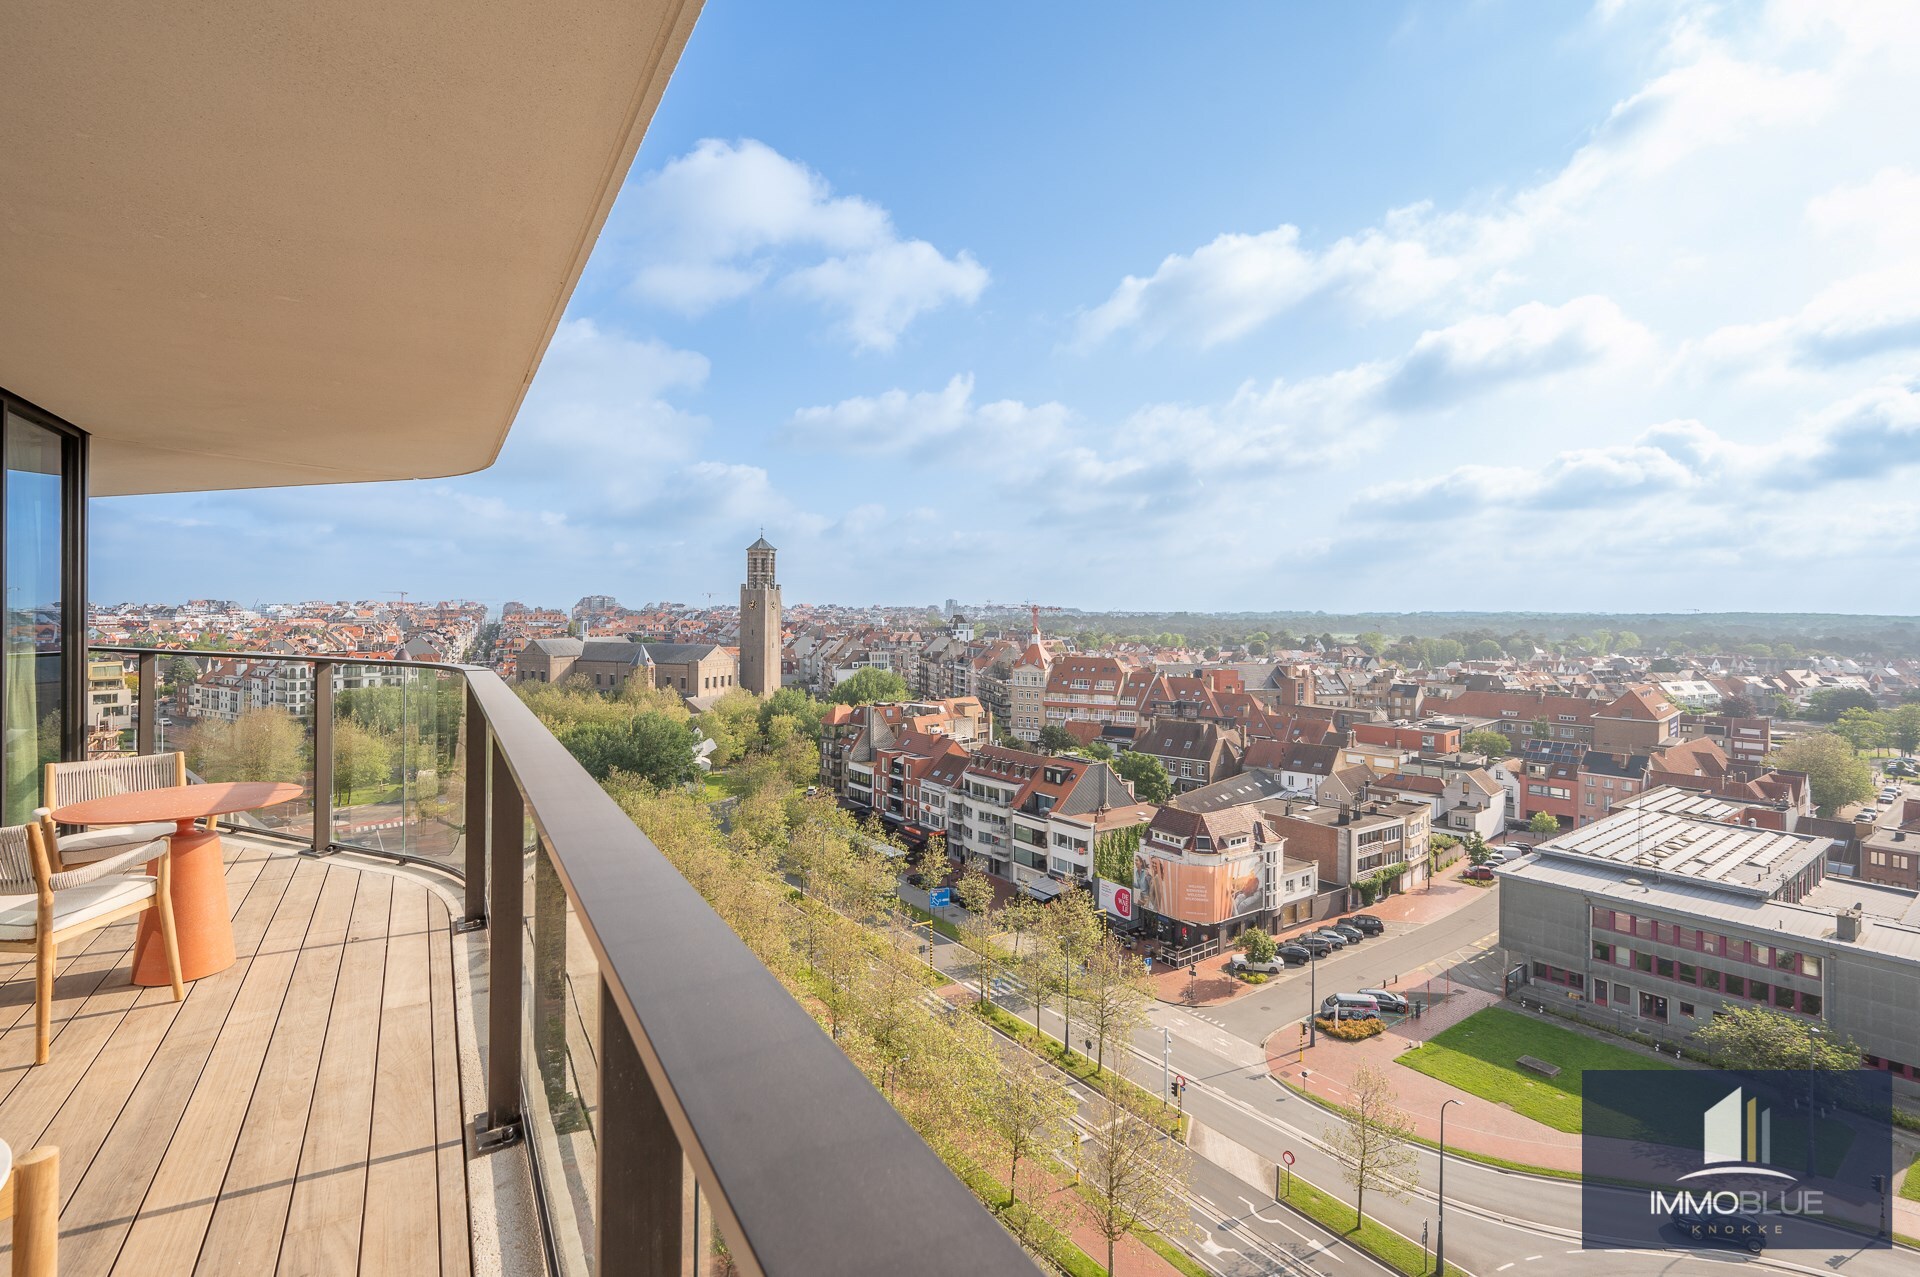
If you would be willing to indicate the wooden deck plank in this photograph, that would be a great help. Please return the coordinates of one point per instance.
(323, 1221)
(173, 1216)
(400, 1232)
(243, 1237)
(449, 1123)
(96, 1060)
(116, 1149)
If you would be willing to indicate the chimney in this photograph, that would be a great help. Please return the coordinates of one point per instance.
(1848, 924)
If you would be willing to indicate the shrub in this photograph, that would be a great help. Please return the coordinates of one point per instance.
(1252, 977)
(1350, 1030)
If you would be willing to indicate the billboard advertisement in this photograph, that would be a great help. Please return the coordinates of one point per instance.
(1205, 894)
(1116, 901)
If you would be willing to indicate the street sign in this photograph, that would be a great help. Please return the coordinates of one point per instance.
(1287, 1157)
(939, 897)
(1149, 961)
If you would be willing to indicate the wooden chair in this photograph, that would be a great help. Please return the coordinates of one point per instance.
(31, 1194)
(73, 902)
(99, 778)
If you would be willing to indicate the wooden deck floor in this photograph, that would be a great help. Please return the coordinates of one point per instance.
(298, 1114)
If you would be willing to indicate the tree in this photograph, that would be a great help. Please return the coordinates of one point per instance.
(362, 757)
(1257, 944)
(1625, 641)
(1134, 1175)
(1111, 989)
(1484, 650)
(1069, 928)
(1544, 822)
(1028, 1111)
(788, 713)
(868, 686)
(1478, 853)
(1256, 647)
(1903, 728)
(1737, 707)
(1055, 739)
(180, 669)
(651, 746)
(1099, 750)
(1827, 704)
(1760, 1038)
(974, 893)
(1838, 776)
(1486, 741)
(1864, 729)
(1541, 729)
(1149, 779)
(261, 744)
(1375, 1141)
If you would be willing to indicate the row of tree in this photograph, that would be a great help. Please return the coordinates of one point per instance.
(844, 949)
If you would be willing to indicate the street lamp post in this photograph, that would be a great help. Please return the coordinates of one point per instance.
(1066, 1000)
(1440, 1233)
(1166, 1057)
(1313, 997)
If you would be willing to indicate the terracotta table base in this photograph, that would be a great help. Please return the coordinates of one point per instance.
(201, 918)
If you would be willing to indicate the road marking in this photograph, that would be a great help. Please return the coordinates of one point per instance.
(1502, 1268)
(1529, 1259)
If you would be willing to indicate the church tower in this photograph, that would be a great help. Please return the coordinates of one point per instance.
(760, 623)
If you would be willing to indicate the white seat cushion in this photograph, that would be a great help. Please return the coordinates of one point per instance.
(74, 905)
(91, 844)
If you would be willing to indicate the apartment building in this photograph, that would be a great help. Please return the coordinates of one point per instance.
(1026, 691)
(1101, 690)
(1350, 835)
(1195, 752)
(1019, 814)
(1890, 853)
(1674, 908)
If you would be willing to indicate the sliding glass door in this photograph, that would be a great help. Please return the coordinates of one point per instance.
(43, 646)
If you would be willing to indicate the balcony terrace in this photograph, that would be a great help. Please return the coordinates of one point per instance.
(299, 1112)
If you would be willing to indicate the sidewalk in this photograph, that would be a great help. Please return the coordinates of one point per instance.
(1475, 1124)
(1212, 985)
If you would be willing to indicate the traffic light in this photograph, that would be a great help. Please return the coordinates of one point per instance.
(1880, 1184)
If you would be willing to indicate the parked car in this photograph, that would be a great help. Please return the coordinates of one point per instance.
(1294, 955)
(1390, 1002)
(1240, 962)
(1317, 946)
(813, 791)
(1366, 922)
(1350, 1006)
(1333, 938)
(1746, 1232)
(1479, 873)
(1353, 934)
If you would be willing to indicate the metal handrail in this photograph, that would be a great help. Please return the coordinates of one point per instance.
(810, 1171)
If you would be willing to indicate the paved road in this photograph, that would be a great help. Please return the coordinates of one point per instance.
(1497, 1222)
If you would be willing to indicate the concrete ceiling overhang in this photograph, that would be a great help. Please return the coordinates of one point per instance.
(279, 242)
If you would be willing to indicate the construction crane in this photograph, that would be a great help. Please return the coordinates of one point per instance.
(1036, 609)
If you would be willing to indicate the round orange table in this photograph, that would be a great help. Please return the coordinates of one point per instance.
(199, 877)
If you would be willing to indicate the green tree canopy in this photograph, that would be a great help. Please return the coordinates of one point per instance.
(1759, 1038)
(363, 758)
(1827, 704)
(1257, 944)
(1544, 822)
(1839, 777)
(1056, 739)
(1150, 781)
(1114, 853)
(1861, 728)
(1903, 728)
(869, 685)
(1487, 741)
(652, 746)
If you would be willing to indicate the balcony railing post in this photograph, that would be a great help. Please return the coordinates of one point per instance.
(475, 832)
(146, 704)
(322, 757)
(506, 852)
(642, 1201)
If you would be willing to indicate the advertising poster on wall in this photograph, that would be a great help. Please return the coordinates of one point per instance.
(1204, 894)
(1116, 901)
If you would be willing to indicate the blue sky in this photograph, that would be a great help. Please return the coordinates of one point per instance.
(1416, 306)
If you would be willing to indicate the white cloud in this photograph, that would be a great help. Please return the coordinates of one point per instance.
(726, 218)
(1531, 341)
(897, 422)
(1872, 435)
(1419, 256)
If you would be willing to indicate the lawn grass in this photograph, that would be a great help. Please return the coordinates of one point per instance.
(1910, 1188)
(1336, 1216)
(1477, 1055)
(1083, 1068)
(941, 925)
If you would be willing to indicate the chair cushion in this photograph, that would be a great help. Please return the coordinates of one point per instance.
(74, 905)
(91, 844)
